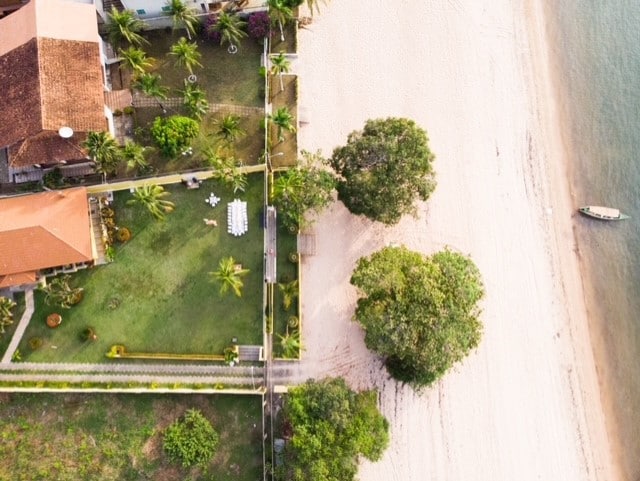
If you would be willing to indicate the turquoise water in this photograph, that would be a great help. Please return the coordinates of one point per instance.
(597, 44)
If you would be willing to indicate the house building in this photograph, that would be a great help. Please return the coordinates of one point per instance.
(44, 233)
(52, 80)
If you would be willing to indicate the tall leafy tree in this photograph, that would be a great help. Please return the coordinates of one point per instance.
(135, 59)
(419, 313)
(283, 120)
(229, 275)
(103, 150)
(58, 292)
(333, 427)
(280, 65)
(229, 128)
(134, 155)
(195, 100)
(125, 27)
(384, 168)
(183, 16)
(280, 13)
(174, 134)
(231, 29)
(186, 54)
(149, 84)
(6, 313)
(152, 197)
(303, 189)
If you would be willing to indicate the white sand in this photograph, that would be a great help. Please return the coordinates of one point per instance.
(526, 404)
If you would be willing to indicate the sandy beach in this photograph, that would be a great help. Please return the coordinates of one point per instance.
(526, 405)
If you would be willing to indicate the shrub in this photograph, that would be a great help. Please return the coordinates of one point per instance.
(209, 29)
(107, 213)
(294, 257)
(191, 440)
(258, 25)
(293, 322)
(123, 234)
(128, 110)
(173, 134)
(53, 179)
(88, 334)
(35, 343)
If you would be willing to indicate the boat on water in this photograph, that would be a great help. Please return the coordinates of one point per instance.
(602, 213)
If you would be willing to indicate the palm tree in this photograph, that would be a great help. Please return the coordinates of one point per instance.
(133, 154)
(283, 120)
(229, 275)
(124, 27)
(152, 197)
(149, 84)
(195, 100)
(290, 343)
(227, 169)
(280, 13)
(103, 150)
(280, 64)
(315, 4)
(135, 59)
(58, 292)
(6, 316)
(231, 30)
(289, 292)
(229, 128)
(186, 54)
(183, 16)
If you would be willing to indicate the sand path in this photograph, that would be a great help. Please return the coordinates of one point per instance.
(526, 404)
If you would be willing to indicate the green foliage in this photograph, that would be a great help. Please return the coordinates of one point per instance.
(302, 189)
(195, 100)
(173, 134)
(124, 27)
(280, 65)
(230, 26)
(229, 128)
(186, 54)
(419, 313)
(149, 84)
(134, 155)
(58, 292)
(183, 16)
(283, 120)
(103, 150)
(227, 169)
(332, 427)
(53, 179)
(191, 440)
(229, 275)
(289, 291)
(290, 343)
(384, 168)
(6, 312)
(152, 197)
(135, 59)
(280, 13)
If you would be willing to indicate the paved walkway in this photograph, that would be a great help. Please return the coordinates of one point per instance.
(175, 102)
(22, 325)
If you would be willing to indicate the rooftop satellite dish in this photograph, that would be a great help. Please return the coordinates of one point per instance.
(65, 132)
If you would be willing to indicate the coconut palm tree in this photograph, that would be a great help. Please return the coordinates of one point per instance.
(290, 343)
(229, 128)
(186, 54)
(229, 276)
(283, 120)
(280, 13)
(227, 169)
(133, 154)
(6, 316)
(289, 291)
(103, 150)
(195, 100)
(135, 59)
(152, 196)
(230, 26)
(183, 16)
(279, 65)
(58, 292)
(149, 84)
(123, 27)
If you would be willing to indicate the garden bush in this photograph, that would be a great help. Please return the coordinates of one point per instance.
(209, 29)
(258, 25)
(35, 343)
(173, 134)
(191, 440)
(123, 234)
(294, 257)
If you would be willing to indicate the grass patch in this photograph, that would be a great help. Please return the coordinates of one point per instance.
(290, 43)
(285, 98)
(158, 295)
(119, 437)
(287, 271)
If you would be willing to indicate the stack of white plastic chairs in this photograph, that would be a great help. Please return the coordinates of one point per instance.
(213, 200)
(237, 220)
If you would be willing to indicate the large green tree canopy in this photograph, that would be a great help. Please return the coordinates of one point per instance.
(420, 313)
(332, 426)
(384, 168)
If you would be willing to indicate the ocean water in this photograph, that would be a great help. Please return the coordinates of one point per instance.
(597, 46)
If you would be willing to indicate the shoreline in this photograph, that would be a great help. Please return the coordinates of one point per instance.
(527, 401)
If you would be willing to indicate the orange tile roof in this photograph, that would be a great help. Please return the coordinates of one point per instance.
(44, 230)
(18, 279)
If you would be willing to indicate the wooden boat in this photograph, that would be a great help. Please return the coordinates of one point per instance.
(602, 213)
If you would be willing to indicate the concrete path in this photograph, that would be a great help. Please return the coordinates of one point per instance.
(22, 325)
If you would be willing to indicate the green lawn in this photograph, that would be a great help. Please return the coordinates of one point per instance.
(287, 271)
(228, 79)
(158, 295)
(119, 437)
